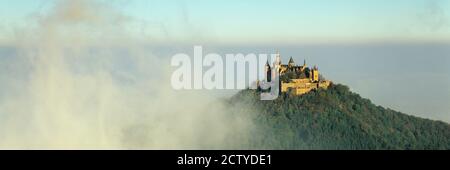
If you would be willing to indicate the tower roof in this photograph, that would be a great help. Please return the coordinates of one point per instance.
(291, 60)
(267, 64)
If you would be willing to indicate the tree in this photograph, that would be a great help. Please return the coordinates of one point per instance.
(335, 118)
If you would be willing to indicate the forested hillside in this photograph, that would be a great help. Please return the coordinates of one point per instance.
(335, 119)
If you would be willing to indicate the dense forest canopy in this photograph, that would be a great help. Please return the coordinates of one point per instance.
(335, 118)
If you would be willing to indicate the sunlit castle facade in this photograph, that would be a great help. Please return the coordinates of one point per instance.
(296, 79)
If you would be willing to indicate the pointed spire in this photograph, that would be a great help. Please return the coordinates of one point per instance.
(304, 62)
(291, 60)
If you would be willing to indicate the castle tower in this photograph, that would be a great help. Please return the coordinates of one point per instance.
(268, 72)
(277, 59)
(277, 63)
(291, 62)
(315, 74)
(304, 66)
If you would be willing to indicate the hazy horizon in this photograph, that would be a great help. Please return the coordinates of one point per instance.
(407, 77)
(411, 78)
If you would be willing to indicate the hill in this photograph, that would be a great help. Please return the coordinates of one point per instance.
(335, 118)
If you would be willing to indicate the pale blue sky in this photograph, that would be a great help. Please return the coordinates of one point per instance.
(407, 68)
(261, 21)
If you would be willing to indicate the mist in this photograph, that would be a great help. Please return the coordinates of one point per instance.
(75, 79)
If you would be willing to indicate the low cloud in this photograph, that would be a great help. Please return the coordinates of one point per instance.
(79, 81)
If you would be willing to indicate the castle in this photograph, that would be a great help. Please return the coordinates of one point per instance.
(295, 79)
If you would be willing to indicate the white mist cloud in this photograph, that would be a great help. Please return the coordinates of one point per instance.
(79, 81)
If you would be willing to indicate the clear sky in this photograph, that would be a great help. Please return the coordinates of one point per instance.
(288, 21)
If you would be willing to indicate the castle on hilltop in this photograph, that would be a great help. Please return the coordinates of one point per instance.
(295, 79)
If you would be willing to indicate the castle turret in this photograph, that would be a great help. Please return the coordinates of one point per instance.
(302, 68)
(277, 59)
(268, 72)
(291, 62)
(315, 74)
